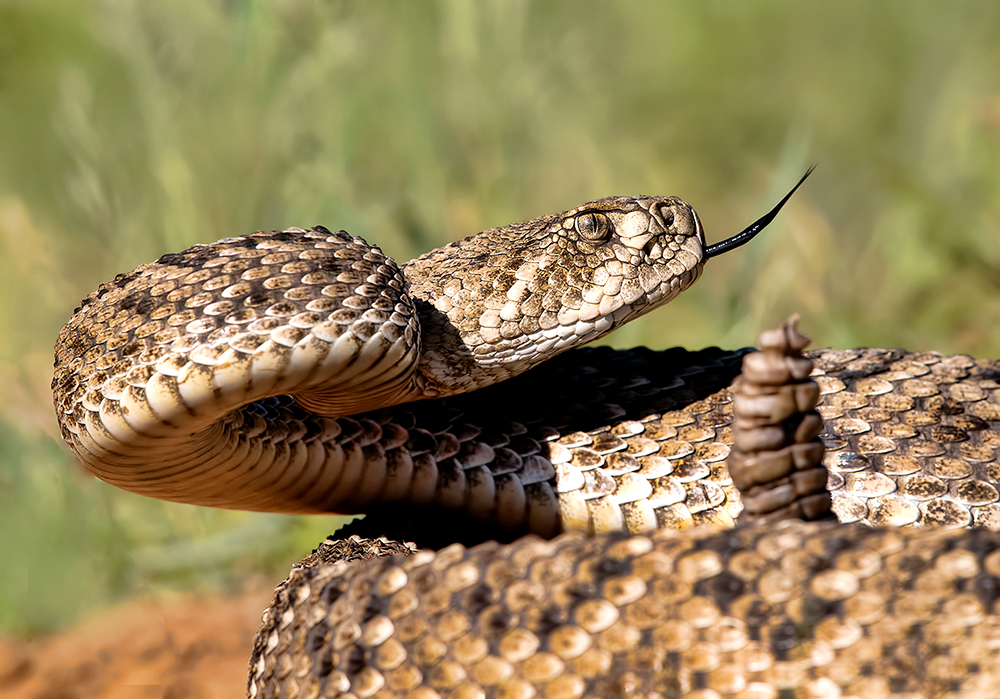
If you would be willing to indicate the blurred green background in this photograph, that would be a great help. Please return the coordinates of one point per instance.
(129, 129)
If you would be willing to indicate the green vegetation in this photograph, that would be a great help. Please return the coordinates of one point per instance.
(130, 129)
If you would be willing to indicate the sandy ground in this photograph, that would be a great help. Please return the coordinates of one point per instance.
(181, 648)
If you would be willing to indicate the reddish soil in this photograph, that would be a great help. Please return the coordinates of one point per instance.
(182, 648)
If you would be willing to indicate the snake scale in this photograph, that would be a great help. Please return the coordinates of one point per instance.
(224, 375)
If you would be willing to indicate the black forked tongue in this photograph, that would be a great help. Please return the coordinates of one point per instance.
(748, 233)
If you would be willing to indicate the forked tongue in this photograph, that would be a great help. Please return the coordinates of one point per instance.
(748, 233)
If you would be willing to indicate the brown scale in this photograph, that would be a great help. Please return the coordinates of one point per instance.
(794, 610)
(911, 439)
(785, 610)
(777, 457)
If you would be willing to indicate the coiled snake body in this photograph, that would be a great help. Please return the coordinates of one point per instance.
(157, 364)
(221, 376)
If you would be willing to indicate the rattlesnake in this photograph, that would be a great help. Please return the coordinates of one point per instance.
(220, 375)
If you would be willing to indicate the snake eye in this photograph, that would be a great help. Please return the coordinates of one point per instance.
(593, 226)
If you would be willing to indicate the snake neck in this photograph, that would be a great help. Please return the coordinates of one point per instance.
(448, 365)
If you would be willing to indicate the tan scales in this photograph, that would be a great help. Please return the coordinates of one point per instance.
(174, 381)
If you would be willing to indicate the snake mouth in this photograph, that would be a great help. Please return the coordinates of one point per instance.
(699, 231)
(748, 233)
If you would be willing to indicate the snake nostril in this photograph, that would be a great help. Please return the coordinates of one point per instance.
(667, 212)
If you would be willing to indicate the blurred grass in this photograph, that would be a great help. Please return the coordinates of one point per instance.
(129, 129)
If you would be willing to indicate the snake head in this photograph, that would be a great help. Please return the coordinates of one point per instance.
(508, 298)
